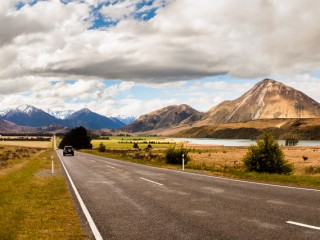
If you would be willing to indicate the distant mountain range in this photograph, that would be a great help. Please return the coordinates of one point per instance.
(27, 115)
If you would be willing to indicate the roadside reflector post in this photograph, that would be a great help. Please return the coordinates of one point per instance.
(183, 162)
(52, 165)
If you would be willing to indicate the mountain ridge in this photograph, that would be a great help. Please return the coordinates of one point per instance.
(30, 116)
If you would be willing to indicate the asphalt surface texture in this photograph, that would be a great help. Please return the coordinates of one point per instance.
(132, 201)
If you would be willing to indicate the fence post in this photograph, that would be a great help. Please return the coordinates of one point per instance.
(183, 162)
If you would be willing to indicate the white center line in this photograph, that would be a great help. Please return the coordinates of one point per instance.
(303, 225)
(151, 181)
(110, 166)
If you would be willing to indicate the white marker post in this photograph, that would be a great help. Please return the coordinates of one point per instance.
(52, 165)
(182, 161)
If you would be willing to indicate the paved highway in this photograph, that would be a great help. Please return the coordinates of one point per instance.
(131, 201)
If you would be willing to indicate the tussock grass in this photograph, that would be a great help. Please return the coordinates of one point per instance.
(227, 162)
(33, 205)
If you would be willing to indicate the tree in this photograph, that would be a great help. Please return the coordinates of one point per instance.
(102, 147)
(78, 138)
(266, 156)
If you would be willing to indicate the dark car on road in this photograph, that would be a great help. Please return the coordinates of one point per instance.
(68, 150)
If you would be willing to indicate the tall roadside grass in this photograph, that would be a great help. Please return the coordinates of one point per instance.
(34, 204)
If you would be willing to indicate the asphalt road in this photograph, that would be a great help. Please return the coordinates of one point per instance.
(131, 201)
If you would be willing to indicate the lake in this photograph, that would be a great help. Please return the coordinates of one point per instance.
(238, 142)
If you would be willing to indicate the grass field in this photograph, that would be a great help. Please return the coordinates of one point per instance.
(31, 144)
(31, 141)
(34, 204)
(218, 160)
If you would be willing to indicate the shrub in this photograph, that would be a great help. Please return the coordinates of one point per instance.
(266, 156)
(305, 158)
(135, 145)
(174, 156)
(102, 147)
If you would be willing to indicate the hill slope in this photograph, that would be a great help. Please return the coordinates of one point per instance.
(164, 118)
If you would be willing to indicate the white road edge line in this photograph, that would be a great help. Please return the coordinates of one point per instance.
(110, 166)
(303, 225)
(93, 226)
(151, 181)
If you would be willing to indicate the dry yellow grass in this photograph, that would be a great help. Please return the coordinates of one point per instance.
(32, 144)
(220, 156)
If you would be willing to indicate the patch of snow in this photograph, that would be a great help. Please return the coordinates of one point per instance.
(28, 109)
(62, 114)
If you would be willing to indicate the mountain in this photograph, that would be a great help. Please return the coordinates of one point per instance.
(126, 119)
(3, 112)
(164, 118)
(26, 115)
(60, 114)
(91, 120)
(268, 99)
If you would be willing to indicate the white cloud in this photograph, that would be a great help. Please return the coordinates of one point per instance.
(186, 40)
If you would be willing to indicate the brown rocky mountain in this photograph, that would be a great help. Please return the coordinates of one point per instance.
(164, 118)
(7, 127)
(268, 99)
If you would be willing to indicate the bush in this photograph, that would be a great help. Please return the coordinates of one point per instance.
(174, 156)
(102, 147)
(135, 145)
(266, 156)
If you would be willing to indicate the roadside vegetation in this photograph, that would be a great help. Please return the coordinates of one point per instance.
(34, 203)
(266, 157)
(300, 164)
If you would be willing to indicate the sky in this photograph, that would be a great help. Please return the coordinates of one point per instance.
(121, 57)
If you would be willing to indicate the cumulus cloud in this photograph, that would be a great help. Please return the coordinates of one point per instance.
(185, 40)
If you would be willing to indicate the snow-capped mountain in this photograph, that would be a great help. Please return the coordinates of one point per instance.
(63, 114)
(126, 119)
(92, 120)
(3, 112)
(27, 115)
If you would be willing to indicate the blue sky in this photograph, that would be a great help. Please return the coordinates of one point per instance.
(121, 57)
